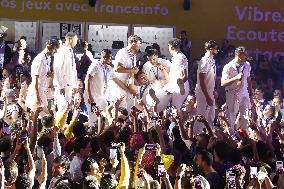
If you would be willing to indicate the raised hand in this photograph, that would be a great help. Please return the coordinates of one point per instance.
(114, 162)
(122, 148)
(181, 170)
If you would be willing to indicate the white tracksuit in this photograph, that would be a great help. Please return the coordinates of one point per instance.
(237, 97)
(179, 63)
(127, 60)
(100, 77)
(40, 67)
(155, 76)
(65, 76)
(205, 66)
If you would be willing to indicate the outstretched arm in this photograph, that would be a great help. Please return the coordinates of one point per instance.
(125, 172)
(43, 176)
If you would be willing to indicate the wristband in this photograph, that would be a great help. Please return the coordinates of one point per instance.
(178, 177)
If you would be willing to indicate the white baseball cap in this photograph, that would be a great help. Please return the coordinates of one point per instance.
(3, 29)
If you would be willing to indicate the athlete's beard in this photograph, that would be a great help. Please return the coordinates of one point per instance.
(215, 54)
(106, 63)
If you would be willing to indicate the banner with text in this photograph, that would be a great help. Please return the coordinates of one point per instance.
(257, 24)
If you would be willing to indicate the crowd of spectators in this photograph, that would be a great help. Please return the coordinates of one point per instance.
(134, 149)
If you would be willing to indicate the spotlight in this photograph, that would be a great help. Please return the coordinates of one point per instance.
(92, 3)
(186, 4)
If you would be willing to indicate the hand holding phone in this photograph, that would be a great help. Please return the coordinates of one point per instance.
(113, 150)
(160, 170)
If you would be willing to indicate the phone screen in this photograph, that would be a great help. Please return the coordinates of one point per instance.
(23, 136)
(112, 153)
(197, 184)
(279, 167)
(231, 181)
(160, 170)
(253, 172)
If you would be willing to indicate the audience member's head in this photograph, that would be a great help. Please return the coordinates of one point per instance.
(204, 159)
(60, 166)
(90, 167)
(47, 121)
(79, 129)
(221, 150)
(82, 146)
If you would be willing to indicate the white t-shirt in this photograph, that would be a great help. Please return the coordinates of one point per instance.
(40, 67)
(179, 63)
(153, 73)
(127, 60)
(232, 69)
(143, 91)
(101, 75)
(65, 73)
(208, 67)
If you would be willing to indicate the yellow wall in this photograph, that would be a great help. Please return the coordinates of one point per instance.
(207, 19)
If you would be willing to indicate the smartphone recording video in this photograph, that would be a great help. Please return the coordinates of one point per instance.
(113, 150)
(279, 167)
(23, 136)
(188, 171)
(112, 153)
(253, 172)
(231, 180)
(160, 170)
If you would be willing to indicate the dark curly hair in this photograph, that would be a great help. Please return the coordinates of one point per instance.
(175, 43)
